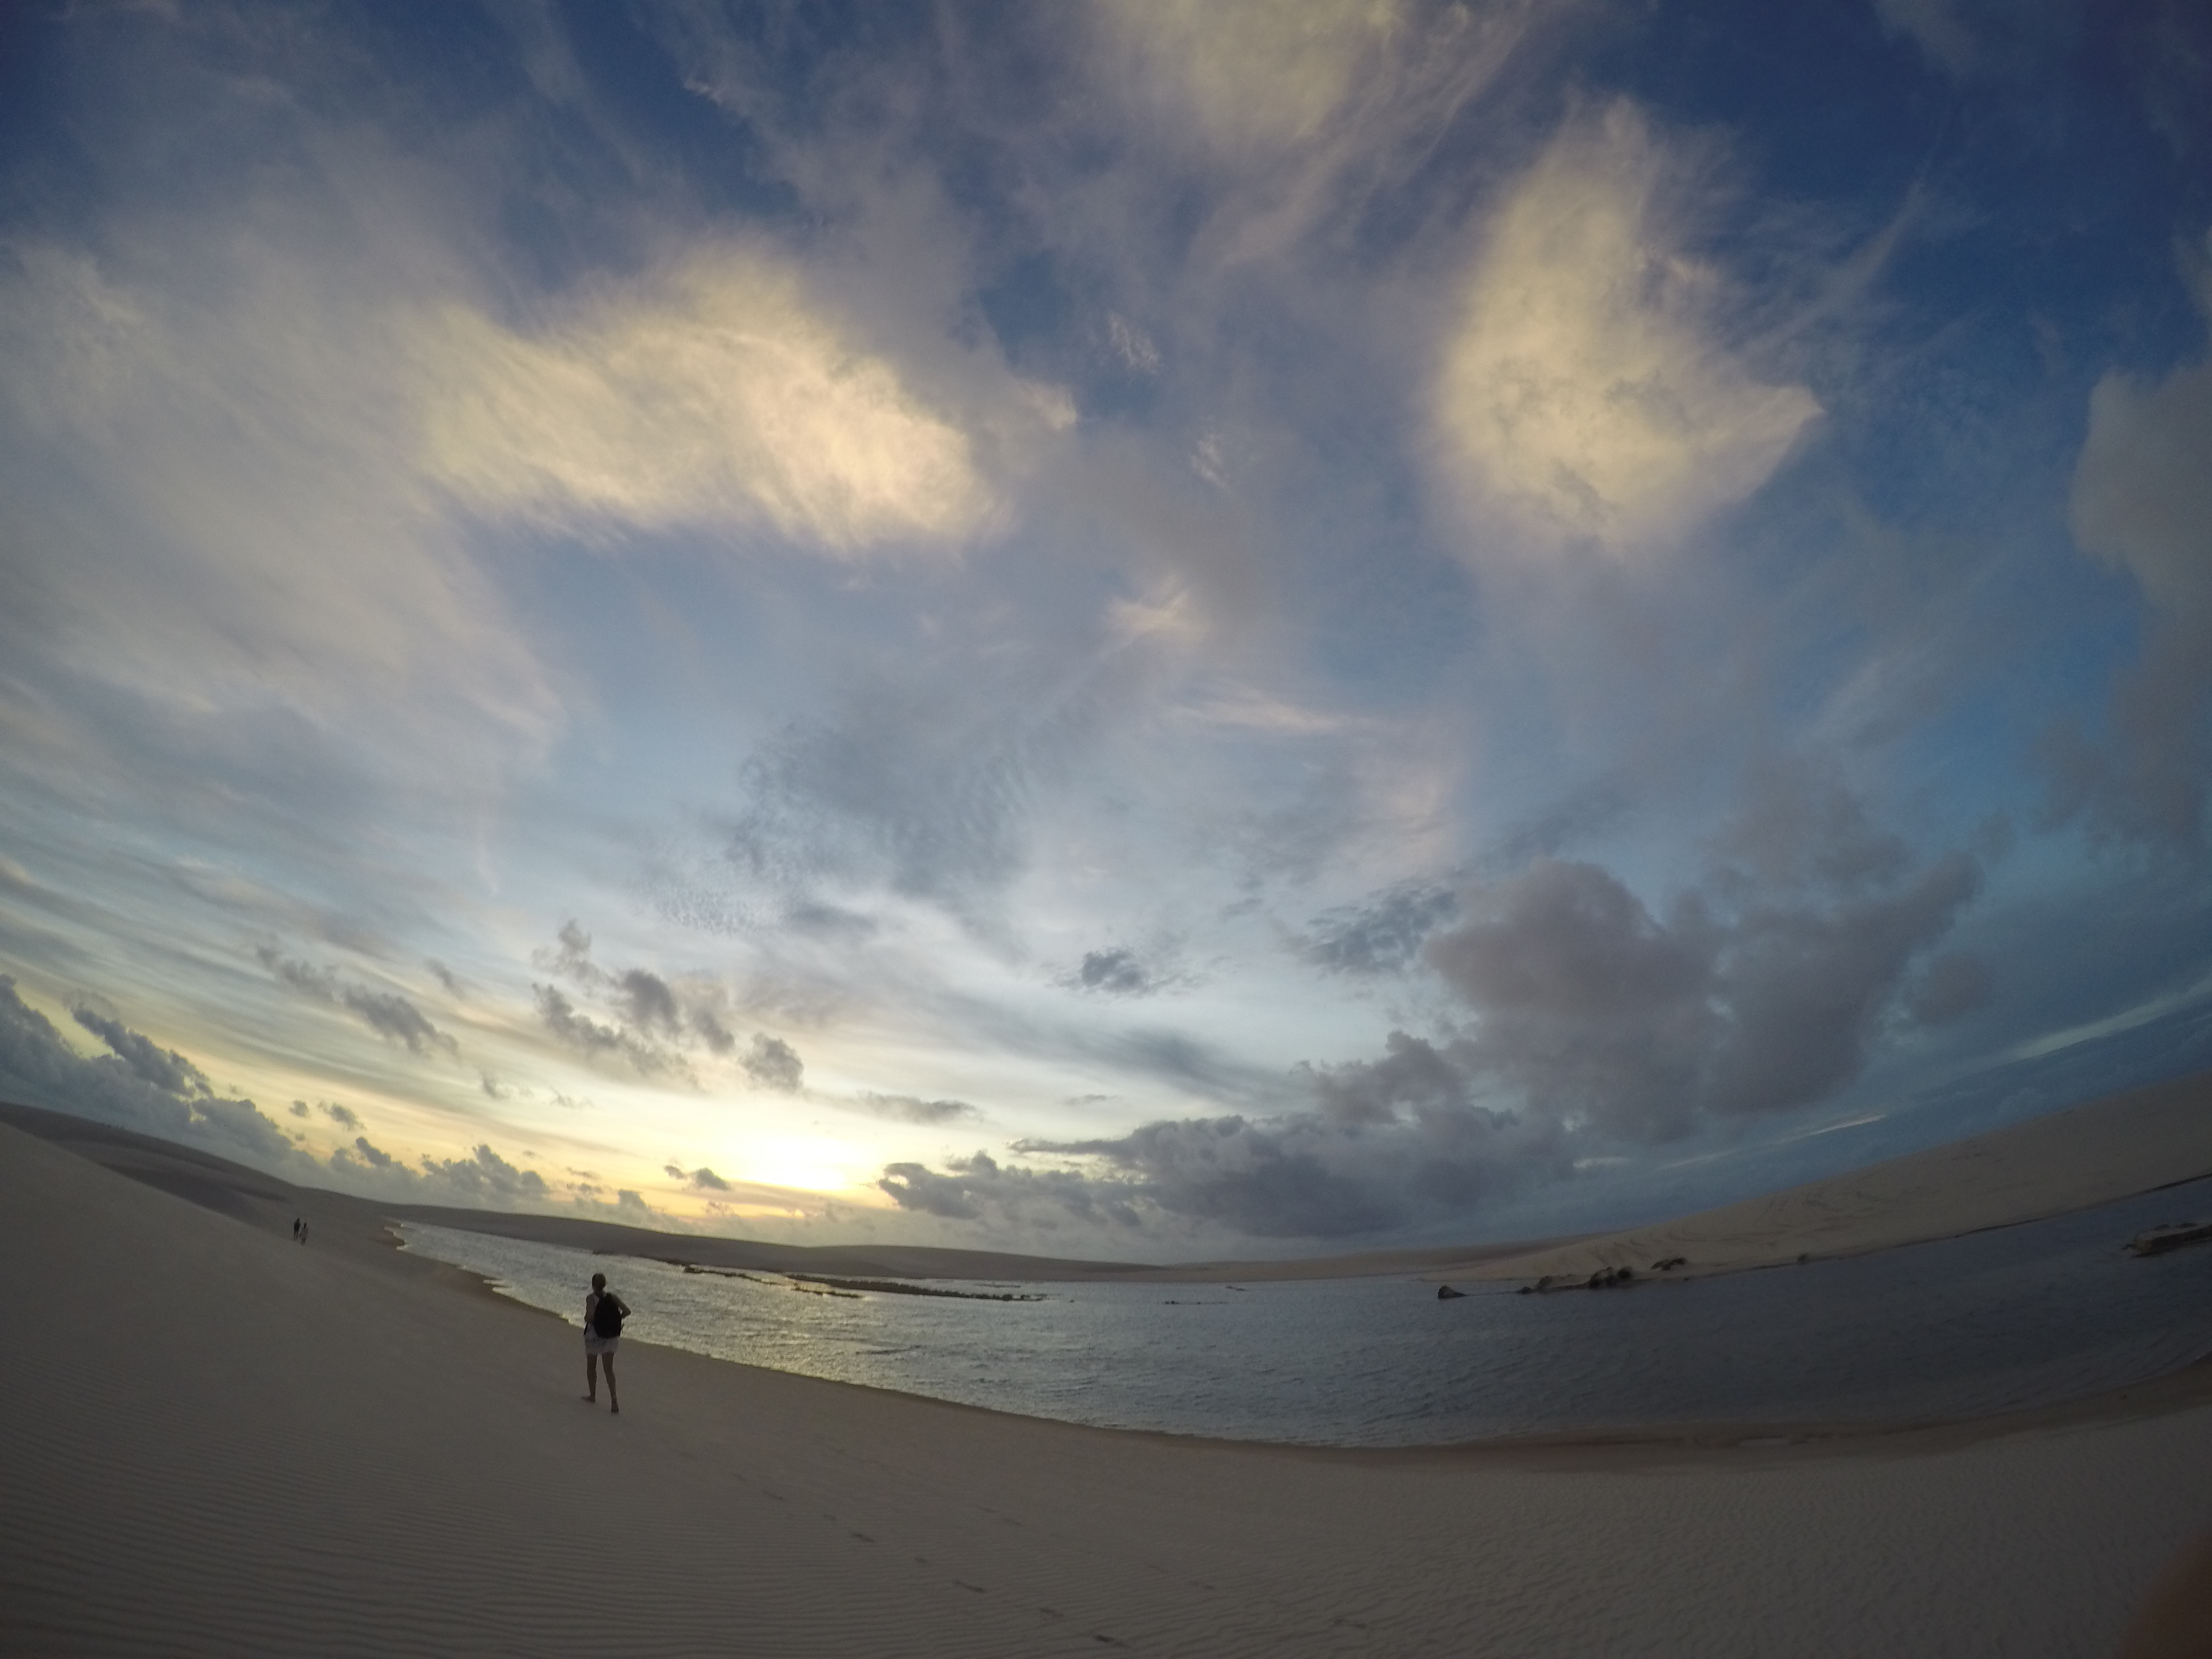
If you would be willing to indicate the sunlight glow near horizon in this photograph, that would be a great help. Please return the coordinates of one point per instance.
(1197, 629)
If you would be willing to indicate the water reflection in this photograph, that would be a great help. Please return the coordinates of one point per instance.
(1998, 1321)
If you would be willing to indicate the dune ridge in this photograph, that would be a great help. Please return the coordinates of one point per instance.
(2106, 1149)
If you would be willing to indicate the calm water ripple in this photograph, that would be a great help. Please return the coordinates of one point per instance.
(2022, 1317)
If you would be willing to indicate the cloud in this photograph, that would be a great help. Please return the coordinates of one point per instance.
(1311, 95)
(647, 1001)
(483, 1179)
(1256, 74)
(1938, 27)
(701, 1180)
(773, 1064)
(912, 1109)
(1596, 1024)
(385, 1012)
(718, 394)
(1423, 1153)
(924, 789)
(374, 1155)
(656, 1017)
(1586, 397)
(1116, 973)
(1383, 934)
(223, 523)
(978, 1185)
(1756, 994)
(137, 1086)
(2142, 503)
(164, 1068)
(153, 1091)
(1981, 39)
(589, 1037)
(1953, 985)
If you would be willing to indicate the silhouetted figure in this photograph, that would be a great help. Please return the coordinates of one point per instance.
(295, 1230)
(604, 1313)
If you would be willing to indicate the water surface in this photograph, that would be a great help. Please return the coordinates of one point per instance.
(2021, 1316)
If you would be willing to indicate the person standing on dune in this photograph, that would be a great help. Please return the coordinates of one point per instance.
(604, 1313)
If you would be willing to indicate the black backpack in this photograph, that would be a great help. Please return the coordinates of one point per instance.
(606, 1315)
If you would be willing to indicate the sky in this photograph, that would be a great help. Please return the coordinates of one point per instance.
(1142, 628)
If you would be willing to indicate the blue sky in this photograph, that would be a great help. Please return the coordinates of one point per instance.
(1146, 628)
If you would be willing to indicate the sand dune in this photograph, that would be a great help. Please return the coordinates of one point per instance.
(225, 1443)
(2070, 1160)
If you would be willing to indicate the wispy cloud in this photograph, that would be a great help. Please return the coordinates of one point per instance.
(388, 1013)
(718, 394)
(1586, 397)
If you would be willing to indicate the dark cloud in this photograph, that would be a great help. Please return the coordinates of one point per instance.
(701, 1180)
(1115, 972)
(385, 1012)
(446, 977)
(1760, 991)
(165, 1068)
(1596, 1024)
(979, 1185)
(574, 955)
(1303, 1174)
(38, 1067)
(1412, 1074)
(710, 1030)
(911, 1108)
(579, 1031)
(654, 1019)
(482, 1180)
(589, 1037)
(829, 921)
(485, 1176)
(647, 1000)
(391, 1015)
(773, 1064)
(1952, 986)
(1382, 936)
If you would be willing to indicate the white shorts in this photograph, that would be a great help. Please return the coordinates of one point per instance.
(594, 1343)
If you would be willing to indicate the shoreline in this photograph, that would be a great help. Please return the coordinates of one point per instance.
(248, 1446)
(1627, 1444)
(350, 1224)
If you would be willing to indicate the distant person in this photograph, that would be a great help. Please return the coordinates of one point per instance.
(295, 1230)
(604, 1313)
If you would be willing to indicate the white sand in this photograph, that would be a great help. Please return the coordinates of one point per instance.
(224, 1444)
(2086, 1155)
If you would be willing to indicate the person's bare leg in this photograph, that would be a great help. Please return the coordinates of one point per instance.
(592, 1377)
(613, 1404)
